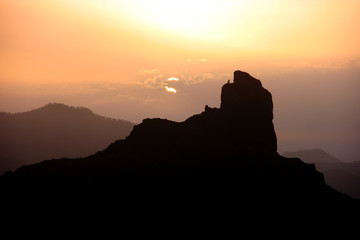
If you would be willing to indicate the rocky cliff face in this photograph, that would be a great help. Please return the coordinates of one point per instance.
(248, 108)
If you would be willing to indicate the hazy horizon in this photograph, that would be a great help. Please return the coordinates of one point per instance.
(121, 58)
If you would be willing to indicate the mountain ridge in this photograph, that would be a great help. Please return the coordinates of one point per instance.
(58, 108)
(312, 156)
(227, 148)
(343, 176)
(54, 131)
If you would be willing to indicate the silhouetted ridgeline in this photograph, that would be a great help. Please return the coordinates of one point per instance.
(312, 156)
(343, 176)
(55, 131)
(229, 153)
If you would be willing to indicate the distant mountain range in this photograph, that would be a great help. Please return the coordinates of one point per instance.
(343, 176)
(55, 131)
(226, 156)
(312, 156)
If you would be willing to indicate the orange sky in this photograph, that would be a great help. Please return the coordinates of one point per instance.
(88, 40)
(115, 56)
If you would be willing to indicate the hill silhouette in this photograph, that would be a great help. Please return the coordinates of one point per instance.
(225, 153)
(312, 156)
(55, 131)
(343, 176)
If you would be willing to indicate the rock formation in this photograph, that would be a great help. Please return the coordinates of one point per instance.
(234, 144)
(248, 107)
(242, 124)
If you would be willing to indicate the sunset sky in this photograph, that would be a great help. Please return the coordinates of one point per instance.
(161, 58)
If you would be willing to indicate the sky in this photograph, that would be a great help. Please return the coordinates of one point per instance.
(161, 58)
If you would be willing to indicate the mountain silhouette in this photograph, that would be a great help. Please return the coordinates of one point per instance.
(55, 131)
(343, 176)
(225, 153)
(312, 156)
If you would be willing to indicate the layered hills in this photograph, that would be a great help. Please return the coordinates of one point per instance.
(55, 131)
(312, 156)
(343, 176)
(224, 152)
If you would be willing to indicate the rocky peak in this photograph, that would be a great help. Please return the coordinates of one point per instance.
(243, 123)
(248, 107)
(244, 78)
(246, 93)
(229, 151)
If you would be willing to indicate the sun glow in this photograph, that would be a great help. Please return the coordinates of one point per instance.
(187, 18)
(170, 89)
(87, 41)
(173, 79)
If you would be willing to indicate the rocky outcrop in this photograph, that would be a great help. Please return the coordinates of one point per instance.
(229, 150)
(248, 108)
(242, 124)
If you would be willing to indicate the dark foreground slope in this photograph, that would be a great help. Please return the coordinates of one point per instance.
(343, 176)
(55, 131)
(227, 153)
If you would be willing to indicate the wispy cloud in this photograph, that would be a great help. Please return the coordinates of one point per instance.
(198, 78)
(325, 64)
(149, 71)
(197, 60)
(153, 78)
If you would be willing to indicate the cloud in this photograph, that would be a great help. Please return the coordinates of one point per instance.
(110, 86)
(152, 78)
(198, 60)
(325, 64)
(198, 78)
(149, 71)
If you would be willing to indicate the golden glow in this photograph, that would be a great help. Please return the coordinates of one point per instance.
(170, 89)
(82, 41)
(186, 17)
(268, 28)
(123, 57)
